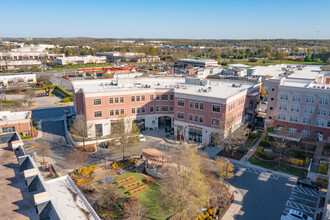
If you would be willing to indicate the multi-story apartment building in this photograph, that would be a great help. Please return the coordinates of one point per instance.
(194, 108)
(80, 60)
(299, 106)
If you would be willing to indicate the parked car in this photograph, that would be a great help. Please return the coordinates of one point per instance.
(142, 138)
(296, 215)
(307, 183)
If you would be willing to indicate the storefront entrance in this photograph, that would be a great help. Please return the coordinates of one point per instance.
(164, 121)
(195, 134)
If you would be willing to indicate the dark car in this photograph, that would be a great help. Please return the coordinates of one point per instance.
(307, 183)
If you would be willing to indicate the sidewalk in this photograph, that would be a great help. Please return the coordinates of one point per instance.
(236, 206)
(253, 149)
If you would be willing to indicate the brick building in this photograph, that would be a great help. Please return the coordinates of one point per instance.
(192, 107)
(15, 121)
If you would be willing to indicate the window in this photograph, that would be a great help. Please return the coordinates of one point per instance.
(116, 112)
(138, 110)
(157, 97)
(171, 97)
(180, 103)
(180, 115)
(137, 98)
(296, 98)
(216, 108)
(190, 118)
(215, 122)
(111, 112)
(143, 110)
(293, 118)
(164, 108)
(157, 108)
(201, 106)
(196, 118)
(151, 108)
(196, 105)
(284, 96)
(292, 130)
(329, 123)
(306, 120)
(8, 129)
(121, 99)
(97, 101)
(323, 101)
(143, 98)
(151, 97)
(308, 110)
(98, 114)
(310, 99)
(164, 97)
(191, 105)
(132, 98)
(281, 117)
(231, 120)
(201, 119)
(122, 111)
(241, 101)
(133, 110)
(240, 114)
(305, 133)
(110, 100)
(321, 111)
(295, 108)
(171, 108)
(231, 106)
(283, 106)
(116, 100)
(320, 122)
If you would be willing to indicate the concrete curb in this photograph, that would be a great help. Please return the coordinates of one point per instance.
(236, 206)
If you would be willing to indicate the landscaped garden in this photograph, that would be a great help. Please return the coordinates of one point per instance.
(279, 154)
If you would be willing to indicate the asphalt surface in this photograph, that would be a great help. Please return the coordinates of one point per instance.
(265, 194)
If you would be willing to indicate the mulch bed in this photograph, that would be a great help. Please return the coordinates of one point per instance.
(88, 148)
(235, 155)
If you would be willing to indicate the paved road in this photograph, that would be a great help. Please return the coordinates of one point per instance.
(265, 194)
(49, 113)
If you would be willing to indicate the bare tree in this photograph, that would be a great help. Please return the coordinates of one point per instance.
(45, 78)
(77, 158)
(125, 131)
(43, 149)
(107, 76)
(79, 128)
(135, 211)
(231, 139)
(29, 94)
(280, 146)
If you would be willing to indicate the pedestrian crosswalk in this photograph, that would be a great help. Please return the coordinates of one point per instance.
(257, 171)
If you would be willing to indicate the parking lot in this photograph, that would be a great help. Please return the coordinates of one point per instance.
(302, 199)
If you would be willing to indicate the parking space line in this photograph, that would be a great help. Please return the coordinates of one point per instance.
(300, 190)
(308, 200)
(300, 207)
(312, 191)
(257, 172)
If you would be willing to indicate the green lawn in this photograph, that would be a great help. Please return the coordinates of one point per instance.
(272, 165)
(71, 67)
(150, 198)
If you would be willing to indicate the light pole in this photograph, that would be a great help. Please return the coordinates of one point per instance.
(227, 170)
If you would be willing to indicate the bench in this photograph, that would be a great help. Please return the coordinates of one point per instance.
(136, 183)
(139, 189)
(125, 180)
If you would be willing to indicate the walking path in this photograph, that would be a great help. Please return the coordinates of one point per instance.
(236, 206)
(253, 148)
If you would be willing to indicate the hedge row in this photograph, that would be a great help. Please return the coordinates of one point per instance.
(323, 168)
(261, 154)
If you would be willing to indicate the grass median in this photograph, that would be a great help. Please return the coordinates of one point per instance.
(273, 165)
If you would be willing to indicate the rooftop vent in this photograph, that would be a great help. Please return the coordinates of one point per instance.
(236, 85)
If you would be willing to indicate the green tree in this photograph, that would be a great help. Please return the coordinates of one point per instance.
(263, 92)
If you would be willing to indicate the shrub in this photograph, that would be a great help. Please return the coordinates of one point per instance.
(253, 135)
(67, 99)
(253, 60)
(307, 160)
(297, 153)
(265, 143)
(322, 182)
(297, 162)
(323, 168)
(261, 154)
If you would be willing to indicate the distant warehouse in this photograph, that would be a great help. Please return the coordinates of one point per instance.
(80, 60)
(197, 63)
(129, 57)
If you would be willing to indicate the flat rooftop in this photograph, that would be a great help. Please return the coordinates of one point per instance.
(197, 61)
(216, 89)
(307, 72)
(67, 199)
(10, 116)
(16, 201)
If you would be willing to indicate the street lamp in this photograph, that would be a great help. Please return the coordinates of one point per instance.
(227, 170)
